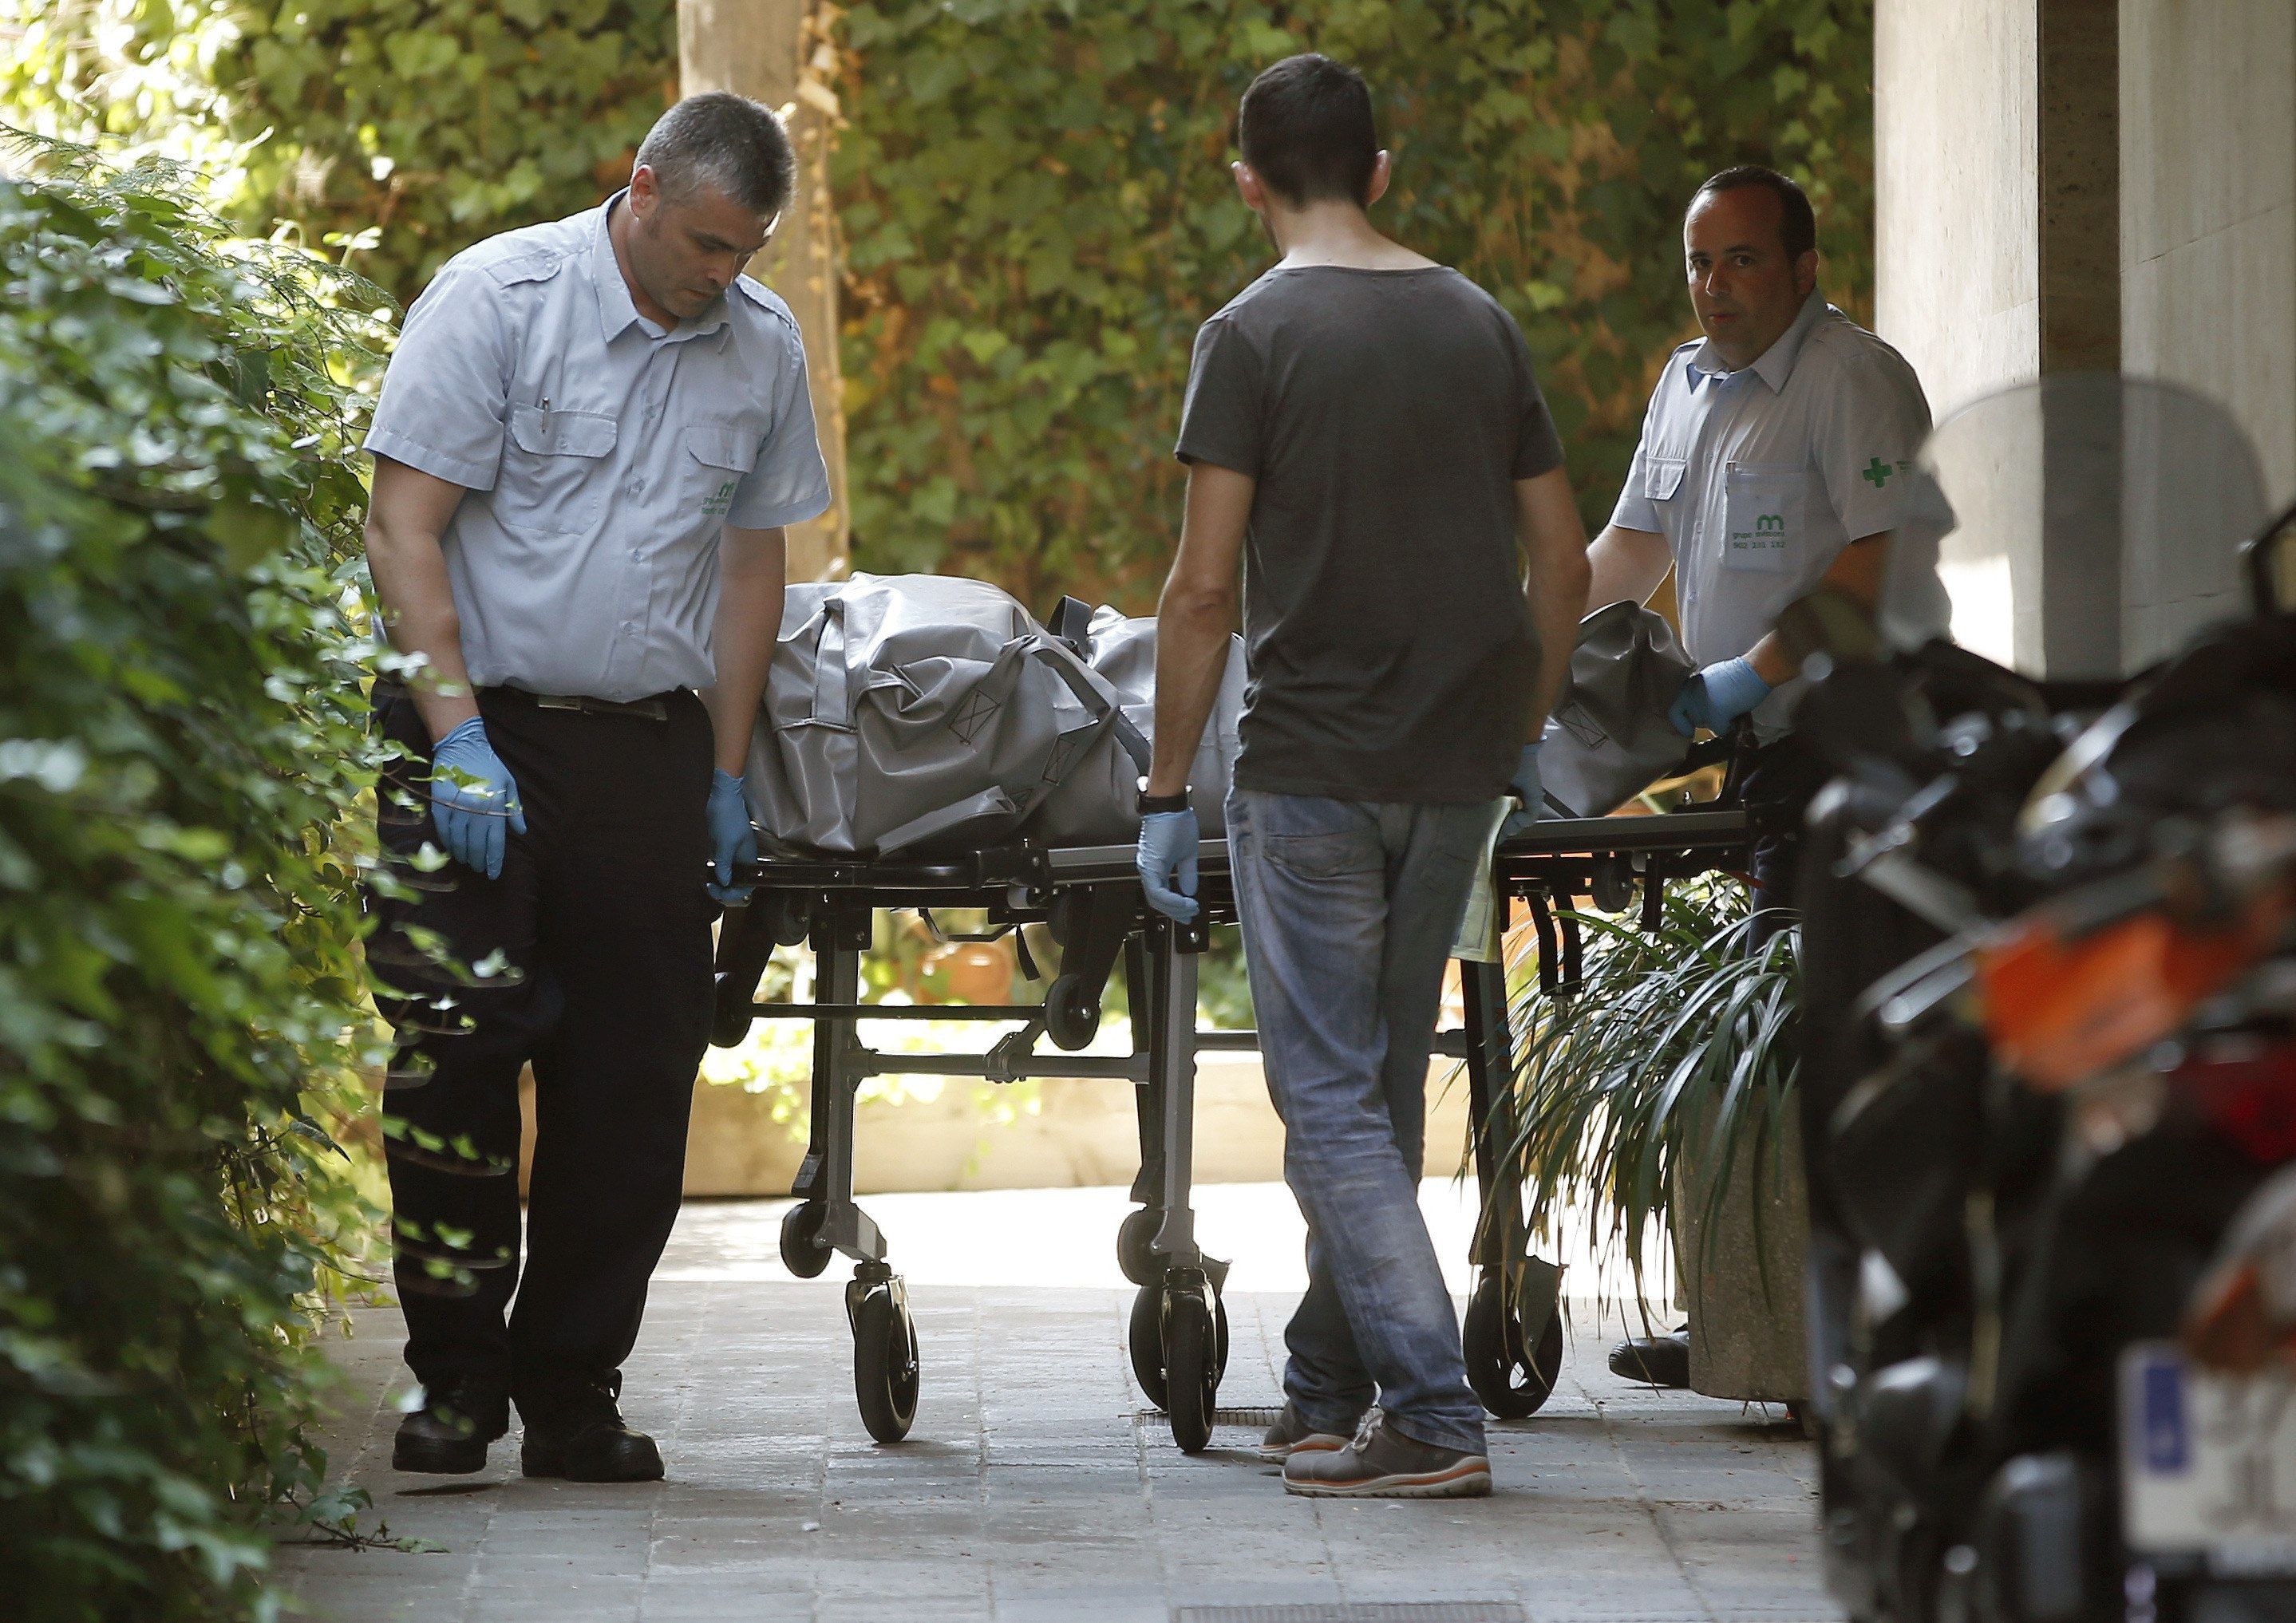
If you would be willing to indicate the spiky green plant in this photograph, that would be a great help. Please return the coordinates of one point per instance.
(1677, 1047)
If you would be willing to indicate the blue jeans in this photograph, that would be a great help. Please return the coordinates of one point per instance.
(1349, 909)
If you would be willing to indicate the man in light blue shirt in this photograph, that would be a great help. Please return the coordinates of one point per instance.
(589, 442)
(1774, 456)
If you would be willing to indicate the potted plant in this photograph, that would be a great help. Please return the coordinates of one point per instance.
(1658, 1095)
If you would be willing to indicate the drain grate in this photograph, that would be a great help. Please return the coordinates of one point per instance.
(1225, 1417)
(1360, 1612)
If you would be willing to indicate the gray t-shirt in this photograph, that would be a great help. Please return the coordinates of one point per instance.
(1386, 416)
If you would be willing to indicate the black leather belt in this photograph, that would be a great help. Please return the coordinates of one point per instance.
(645, 710)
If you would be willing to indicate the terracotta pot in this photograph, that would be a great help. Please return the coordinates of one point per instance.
(976, 971)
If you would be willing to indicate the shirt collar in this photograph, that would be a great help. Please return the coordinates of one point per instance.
(1777, 362)
(616, 309)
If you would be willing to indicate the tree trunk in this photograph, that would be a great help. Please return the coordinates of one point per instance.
(778, 52)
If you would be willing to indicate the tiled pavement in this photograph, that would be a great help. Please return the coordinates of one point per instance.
(1034, 1486)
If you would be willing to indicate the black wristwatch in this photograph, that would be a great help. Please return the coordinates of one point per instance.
(1149, 805)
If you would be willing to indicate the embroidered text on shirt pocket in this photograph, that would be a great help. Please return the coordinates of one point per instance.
(720, 455)
(1662, 477)
(552, 479)
(1762, 515)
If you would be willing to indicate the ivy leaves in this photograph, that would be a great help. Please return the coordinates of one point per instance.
(1038, 216)
(179, 988)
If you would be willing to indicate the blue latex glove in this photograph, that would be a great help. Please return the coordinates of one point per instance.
(1166, 858)
(1524, 786)
(1717, 696)
(473, 800)
(731, 838)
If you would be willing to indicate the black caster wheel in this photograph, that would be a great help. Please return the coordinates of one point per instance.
(1133, 1240)
(1145, 1340)
(885, 1361)
(1613, 886)
(804, 1253)
(1071, 1013)
(1191, 1367)
(1511, 1384)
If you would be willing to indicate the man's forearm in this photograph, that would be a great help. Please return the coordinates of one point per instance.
(1857, 572)
(418, 616)
(1192, 633)
(748, 623)
(1555, 578)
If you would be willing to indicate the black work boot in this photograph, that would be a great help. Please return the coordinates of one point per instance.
(448, 1435)
(1657, 1360)
(575, 1431)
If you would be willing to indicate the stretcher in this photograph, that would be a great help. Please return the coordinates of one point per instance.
(1089, 897)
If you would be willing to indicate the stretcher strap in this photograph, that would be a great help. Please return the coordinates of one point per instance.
(831, 704)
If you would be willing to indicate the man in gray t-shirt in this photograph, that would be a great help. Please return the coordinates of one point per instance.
(1367, 444)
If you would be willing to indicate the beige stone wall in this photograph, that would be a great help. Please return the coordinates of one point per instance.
(2207, 204)
(1086, 1133)
(1957, 226)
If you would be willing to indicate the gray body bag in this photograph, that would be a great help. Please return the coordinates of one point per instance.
(913, 714)
(1609, 738)
(1100, 803)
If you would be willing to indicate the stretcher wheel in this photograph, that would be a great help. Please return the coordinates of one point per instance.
(1192, 1366)
(885, 1363)
(1613, 884)
(1145, 1340)
(1071, 1012)
(1511, 1383)
(803, 1251)
(1135, 1241)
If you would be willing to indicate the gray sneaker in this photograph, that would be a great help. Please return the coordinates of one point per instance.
(1291, 1434)
(1382, 1463)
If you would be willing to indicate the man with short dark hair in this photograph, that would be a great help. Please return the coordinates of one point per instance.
(588, 444)
(1773, 460)
(1365, 438)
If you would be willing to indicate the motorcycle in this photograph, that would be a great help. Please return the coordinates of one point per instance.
(2049, 1075)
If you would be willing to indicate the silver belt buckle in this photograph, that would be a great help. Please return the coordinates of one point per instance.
(556, 702)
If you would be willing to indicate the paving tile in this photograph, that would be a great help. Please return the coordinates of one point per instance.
(1033, 1486)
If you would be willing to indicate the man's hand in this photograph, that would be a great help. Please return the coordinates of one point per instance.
(1717, 696)
(473, 798)
(1525, 787)
(733, 839)
(1167, 858)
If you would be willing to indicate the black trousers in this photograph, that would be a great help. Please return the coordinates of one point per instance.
(1784, 776)
(588, 959)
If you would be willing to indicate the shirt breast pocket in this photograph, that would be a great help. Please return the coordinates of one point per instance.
(718, 455)
(1762, 515)
(554, 471)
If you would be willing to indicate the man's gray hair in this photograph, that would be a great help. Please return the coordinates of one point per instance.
(726, 143)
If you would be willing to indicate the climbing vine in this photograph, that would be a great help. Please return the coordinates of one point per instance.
(1038, 216)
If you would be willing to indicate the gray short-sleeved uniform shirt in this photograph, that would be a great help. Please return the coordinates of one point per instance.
(1759, 478)
(604, 456)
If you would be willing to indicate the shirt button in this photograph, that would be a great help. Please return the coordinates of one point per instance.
(637, 487)
(636, 556)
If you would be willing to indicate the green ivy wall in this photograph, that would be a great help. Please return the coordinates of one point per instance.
(1033, 195)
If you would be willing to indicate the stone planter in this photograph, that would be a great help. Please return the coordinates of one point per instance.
(1743, 1272)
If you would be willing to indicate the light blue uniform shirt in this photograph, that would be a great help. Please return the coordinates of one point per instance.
(1759, 478)
(603, 455)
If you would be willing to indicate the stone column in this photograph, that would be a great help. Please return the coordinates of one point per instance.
(778, 52)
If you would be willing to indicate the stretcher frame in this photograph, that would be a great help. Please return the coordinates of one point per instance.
(1090, 899)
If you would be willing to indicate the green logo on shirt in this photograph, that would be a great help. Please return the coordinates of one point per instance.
(1877, 472)
(717, 505)
(1770, 524)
